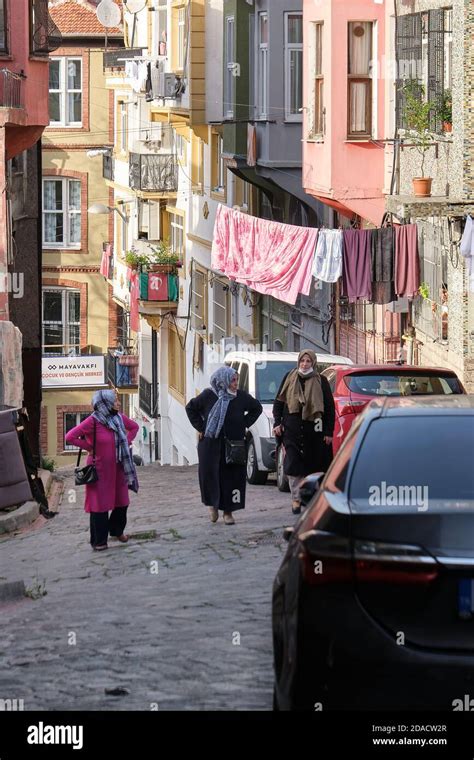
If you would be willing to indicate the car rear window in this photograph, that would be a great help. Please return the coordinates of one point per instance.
(402, 384)
(432, 453)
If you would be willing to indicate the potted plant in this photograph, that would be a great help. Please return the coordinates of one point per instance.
(134, 260)
(447, 111)
(162, 259)
(417, 118)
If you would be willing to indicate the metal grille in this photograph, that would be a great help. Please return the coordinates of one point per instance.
(409, 57)
(10, 89)
(436, 66)
(154, 172)
(45, 35)
(116, 59)
(148, 400)
(107, 166)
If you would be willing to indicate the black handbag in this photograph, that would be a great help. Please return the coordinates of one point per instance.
(87, 475)
(235, 451)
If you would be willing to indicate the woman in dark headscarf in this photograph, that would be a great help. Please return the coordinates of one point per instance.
(219, 412)
(304, 420)
(114, 432)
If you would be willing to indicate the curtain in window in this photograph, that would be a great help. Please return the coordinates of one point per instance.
(53, 216)
(360, 51)
(75, 211)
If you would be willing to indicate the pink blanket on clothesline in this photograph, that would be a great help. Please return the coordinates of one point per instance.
(271, 258)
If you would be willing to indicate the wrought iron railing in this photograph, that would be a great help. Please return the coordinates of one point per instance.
(115, 59)
(10, 89)
(45, 35)
(108, 166)
(122, 369)
(154, 172)
(147, 399)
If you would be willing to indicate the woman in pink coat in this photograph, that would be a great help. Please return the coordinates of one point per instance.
(114, 433)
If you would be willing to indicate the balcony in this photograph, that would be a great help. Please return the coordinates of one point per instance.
(122, 370)
(116, 59)
(108, 166)
(148, 398)
(159, 294)
(11, 90)
(45, 36)
(154, 173)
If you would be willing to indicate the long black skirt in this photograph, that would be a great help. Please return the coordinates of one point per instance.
(222, 485)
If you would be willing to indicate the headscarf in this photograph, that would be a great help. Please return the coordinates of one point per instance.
(103, 402)
(220, 383)
(306, 397)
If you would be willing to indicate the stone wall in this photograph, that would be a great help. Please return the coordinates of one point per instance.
(11, 373)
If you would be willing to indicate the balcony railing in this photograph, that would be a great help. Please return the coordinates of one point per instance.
(154, 172)
(147, 399)
(45, 35)
(108, 166)
(10, 89)
(122, 369)
(115, 59)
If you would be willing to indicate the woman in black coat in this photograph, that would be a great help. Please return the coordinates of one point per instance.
(217, 413)
(304, 413)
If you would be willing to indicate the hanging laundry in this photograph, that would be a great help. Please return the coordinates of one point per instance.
(383, 265)
(137, 73)
(357, 265)
(106, 260)
(467, 250)
(328, 259)
(407, 261)
(272, 258)
(251, 145)
(148, 84)
(156, 76)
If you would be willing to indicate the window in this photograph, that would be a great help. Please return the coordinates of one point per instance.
(70, 420)
(220, 310)
(123, 126)
(197, 166)
(318, 108)
(262, 74)
(294, 66)
(180, 145)
(162, 21)
(177, 234)
(176, 365)
(230, 69)
(61, 213)
(61, 321)
(181, 37)
(3, 27)
(359, 94)
(199, 299)
(65, 91)
(218, 165)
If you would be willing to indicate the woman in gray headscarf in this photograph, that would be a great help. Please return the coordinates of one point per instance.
(222, 411)
(114, 432)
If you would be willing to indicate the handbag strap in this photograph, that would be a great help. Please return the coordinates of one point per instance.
(79, 454)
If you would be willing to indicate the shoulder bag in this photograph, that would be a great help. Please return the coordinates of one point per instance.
(86, 475)
(235, 451)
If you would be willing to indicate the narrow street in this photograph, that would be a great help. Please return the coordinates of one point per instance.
(159, 618)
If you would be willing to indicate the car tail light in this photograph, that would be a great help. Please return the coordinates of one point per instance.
(327, 558)
(348, 406)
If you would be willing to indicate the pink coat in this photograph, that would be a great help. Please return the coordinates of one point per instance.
(111, 490)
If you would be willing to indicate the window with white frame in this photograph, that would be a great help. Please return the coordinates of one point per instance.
(181, 37)
(161, 14)
(230, 68)
(177, 235)
(220, 310)
(65, 92)
(359, 95)
(70, 420)
(293, 66)
(61, 212)
(318, 102)
(218, 174)
(262, 73)
(180, 145)
(61, 321)
(199, 299)
(123, 127)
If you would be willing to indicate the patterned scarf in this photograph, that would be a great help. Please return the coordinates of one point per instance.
(103, 402)
(220, 383)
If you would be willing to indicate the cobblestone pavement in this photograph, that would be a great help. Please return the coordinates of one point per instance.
(159, 618)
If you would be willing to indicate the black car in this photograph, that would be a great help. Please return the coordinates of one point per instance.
(373, 605)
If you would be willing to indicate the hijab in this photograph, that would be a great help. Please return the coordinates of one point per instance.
(220, 384)
(306, 397)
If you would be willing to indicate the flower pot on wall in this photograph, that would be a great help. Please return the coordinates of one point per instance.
(162, 268)
(422, 186)
(447, 126)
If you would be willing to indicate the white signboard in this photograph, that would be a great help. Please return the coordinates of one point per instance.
(72, 371)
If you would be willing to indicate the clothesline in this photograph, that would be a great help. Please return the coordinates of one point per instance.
(281, 260)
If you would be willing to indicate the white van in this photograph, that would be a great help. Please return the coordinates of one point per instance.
(261, 373)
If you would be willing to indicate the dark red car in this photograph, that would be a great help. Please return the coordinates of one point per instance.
(353, 387)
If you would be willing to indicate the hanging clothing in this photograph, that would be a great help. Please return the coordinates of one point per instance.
(357, 265)
(148, 84)
(251, 145)
(467, 250)
(328, 259)
(156, 77)
(105, 261)
(272, 258)
(383, 265)
(407, 261)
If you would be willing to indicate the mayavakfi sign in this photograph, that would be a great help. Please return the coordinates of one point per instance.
(76, 371)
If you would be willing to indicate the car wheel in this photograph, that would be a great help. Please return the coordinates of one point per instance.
(282, 479)
(254, 476)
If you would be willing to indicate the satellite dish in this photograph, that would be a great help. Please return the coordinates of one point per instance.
(108, 13)
(134, 6)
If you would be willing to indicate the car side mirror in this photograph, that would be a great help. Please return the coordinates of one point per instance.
(309, 486)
